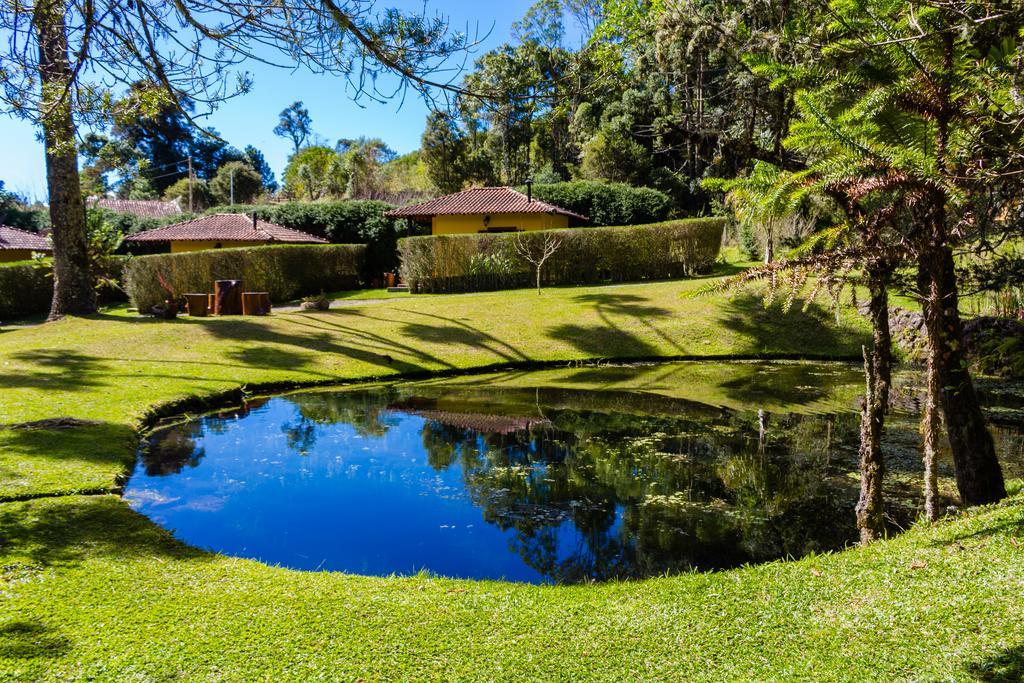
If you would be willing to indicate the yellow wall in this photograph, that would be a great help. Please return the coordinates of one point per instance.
(453, 225)
(198, 245)
(7, 255)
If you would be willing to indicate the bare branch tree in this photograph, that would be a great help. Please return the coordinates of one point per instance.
(536, 253)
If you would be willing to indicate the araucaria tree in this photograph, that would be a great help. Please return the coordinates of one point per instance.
(915, 109)
(295, 123)
(65, 58)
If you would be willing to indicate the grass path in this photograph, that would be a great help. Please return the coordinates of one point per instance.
(91, 590)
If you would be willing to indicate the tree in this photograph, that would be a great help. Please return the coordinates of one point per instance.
(537, 252)
(444, 152)
(918, 114)
(236, 182)
(296, 124)
(363, 160)
(184, 52)
(254, 158)
(315, 173)
(202, 197)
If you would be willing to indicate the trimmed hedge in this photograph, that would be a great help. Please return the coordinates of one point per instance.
(354, 221)
(477, 262)
(286, 271)
(25, 289)
(607, 204)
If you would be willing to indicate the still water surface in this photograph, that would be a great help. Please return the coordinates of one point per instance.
(547, 477)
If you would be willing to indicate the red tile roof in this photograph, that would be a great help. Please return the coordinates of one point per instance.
(480, 200)
(226, 227)
(13, 238)
(144, 208)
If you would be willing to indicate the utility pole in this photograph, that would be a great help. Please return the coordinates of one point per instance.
(190, 209)
(232, 187)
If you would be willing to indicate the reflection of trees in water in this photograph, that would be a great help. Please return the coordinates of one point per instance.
(707, 493)
(363, 410)
(171, 450)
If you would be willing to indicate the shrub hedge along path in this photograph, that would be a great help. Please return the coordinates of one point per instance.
(91, 590)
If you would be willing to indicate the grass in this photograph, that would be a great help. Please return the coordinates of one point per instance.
(91, 590)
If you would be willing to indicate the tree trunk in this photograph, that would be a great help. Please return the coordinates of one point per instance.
(74, 291)
(931, 421)
(878, 378)
(979, 478)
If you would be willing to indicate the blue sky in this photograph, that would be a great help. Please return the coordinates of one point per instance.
(250, 119)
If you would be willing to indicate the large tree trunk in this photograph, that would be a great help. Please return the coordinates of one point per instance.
(74, 289)
(878, 375)
(979, 478)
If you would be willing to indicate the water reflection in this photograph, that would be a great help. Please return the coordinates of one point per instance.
(494, 480)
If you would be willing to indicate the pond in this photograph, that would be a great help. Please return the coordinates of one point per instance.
(556, 476)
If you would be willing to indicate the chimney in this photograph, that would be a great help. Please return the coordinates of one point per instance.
(254, 220)
(529, 189)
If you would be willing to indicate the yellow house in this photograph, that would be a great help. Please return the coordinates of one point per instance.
(19, 245)
(487, 209)
(221, 231)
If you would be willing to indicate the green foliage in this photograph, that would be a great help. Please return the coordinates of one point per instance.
(286, 271)
(202, 196)
(459, 263)
(314, 173)
(15, 212)
(294, 124)
(25, 289)
(248, 184)
(607, 204)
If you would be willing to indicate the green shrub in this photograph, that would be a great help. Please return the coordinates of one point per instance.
(286, 271)
(25, 289)
(607, 204)
(343, 222)
(476, 262)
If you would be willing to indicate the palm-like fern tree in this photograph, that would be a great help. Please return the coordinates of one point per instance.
(914, 120)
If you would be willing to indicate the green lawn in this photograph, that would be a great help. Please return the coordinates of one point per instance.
(92, 590)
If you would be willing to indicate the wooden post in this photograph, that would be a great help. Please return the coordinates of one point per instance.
(197, 304)
(227, 296)
(255, 303)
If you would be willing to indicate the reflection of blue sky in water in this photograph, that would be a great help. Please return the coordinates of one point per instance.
(525, 484)
(362, 504)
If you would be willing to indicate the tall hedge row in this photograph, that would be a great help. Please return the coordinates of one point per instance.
(342, 222)
(466, 263)
(25, 289)
(607, 204)
(286, 271)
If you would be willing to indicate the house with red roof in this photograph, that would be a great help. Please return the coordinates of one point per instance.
(143, 208)
(487, 209)
(221, 230)
(19, 245)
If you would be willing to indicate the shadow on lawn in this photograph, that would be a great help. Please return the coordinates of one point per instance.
(790, 331)
(1006, 666)
(92, 443)
(66, 530)
(30, 640)
(72, 370)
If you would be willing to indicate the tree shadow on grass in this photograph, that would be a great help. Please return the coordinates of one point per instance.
(1004, 667)
(94, 451)
(385, 353)
(63, 531)
(811, 332)
(31, 640)
(72, 370)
